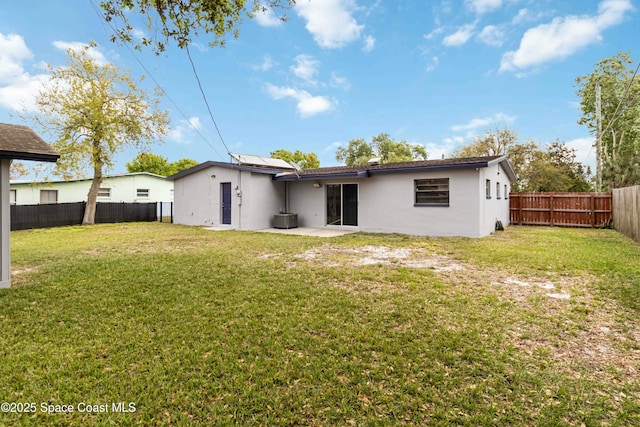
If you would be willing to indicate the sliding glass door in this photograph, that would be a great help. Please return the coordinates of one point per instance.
(342, 204)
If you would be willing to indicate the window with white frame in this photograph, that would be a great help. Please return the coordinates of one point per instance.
(13, 196)
(488, 189)
(48, 196)
(431, 192)
(142, 192)
(498, 190)
(506, 191)
(104, 192)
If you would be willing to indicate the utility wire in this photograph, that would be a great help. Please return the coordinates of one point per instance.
(204, 97)
(624, 95)
(159, 85)
(615, 113)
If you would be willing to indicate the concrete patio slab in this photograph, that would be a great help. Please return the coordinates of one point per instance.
(307, 231)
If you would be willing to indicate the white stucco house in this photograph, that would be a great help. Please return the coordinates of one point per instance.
(449, 197)
(141, 187)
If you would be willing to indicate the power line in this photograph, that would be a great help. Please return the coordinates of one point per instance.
(624, 95)
(615, 113)
(160, 86)
(204, 97)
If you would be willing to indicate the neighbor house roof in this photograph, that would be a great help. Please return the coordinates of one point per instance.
(419, 165)
(122, 175)
(22, 143)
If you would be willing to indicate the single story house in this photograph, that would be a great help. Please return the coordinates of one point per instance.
(22, 143)
(448, 197)
(129, 188)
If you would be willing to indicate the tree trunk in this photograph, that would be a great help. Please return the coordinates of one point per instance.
(90, 208)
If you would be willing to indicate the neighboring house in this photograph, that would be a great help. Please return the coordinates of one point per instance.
(131, 187)
(16, 142)
(449, 197)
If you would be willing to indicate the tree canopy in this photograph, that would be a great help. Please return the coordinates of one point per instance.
(181, 21)
(95, 111)
(304, 160)
(552, 168)
(620, 104)
(359, 151)
(153, 163)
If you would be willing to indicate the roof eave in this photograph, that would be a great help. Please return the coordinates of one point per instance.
(37, 157)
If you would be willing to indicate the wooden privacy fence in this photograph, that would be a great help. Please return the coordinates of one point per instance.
(24, 217)
(626, 211)
(560, 209)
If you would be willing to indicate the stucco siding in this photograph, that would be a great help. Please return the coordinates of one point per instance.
(255, 198)
(386, 204)
(496, 207)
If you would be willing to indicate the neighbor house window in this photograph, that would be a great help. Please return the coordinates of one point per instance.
(432, 192)
(506, 191)
(487, 189)
(13, 196)
(142, 192)
(497, 190)
(48, 196)
(104, 192)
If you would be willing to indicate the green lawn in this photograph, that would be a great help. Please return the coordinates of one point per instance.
(531, 326)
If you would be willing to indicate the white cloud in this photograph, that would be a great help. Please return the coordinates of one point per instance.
(563, 36)
(482, 122)
(18, 87)
(330, 22)
(461, 36)
(433, 64)
(340, 82)
(584, 151)
(306, 68)
(93, 52)
(266, 64)
(483, 6)
(454, 140)
(308, 105)
(369, 44)
(523, 15)
(433, 33)
(492, 36)
(266, 17)
(184, 131)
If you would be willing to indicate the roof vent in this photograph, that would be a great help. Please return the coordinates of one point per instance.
(374, 162)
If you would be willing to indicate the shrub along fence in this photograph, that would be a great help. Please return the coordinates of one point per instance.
(24, 217)
(560, 209)
(626, 211)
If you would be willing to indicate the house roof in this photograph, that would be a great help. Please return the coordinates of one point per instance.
(152, 175)
(419, 165)
(22, 143)
(361, 171)
(249, 168)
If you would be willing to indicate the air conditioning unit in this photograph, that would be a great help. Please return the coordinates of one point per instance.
(285, 220)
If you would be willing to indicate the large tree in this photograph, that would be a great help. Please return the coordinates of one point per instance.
(181, 21)
(95, 111)
(552, 168)
(304, 160)
(359, 151)
(620, 107)
(153, 163)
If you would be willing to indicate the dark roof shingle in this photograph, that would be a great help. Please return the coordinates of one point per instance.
(20, 142)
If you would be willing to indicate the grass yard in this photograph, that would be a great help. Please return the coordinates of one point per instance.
(532, 326)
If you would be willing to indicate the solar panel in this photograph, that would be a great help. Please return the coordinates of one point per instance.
(251, 160)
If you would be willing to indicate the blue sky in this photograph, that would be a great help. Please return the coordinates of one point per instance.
(436, 73)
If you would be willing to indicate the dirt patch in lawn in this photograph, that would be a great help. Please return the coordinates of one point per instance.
(565, 320)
